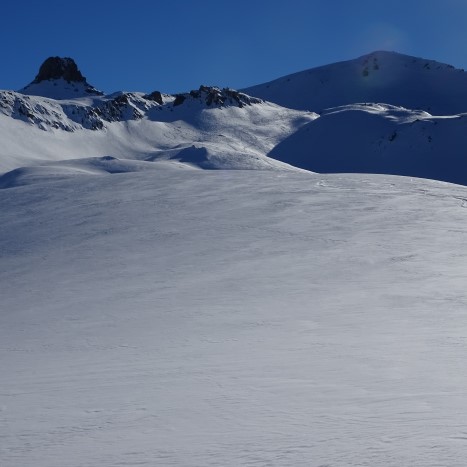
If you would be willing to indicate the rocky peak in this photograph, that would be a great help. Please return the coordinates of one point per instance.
(59, 67)
(60, 78)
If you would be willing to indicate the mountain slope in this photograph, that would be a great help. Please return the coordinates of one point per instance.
(379, 138)
(210, 127)
(379, 77)
(213, 128)
(233, 318)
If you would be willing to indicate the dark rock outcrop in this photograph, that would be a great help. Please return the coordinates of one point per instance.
(126, 106)
(179, 99)
(214, 96)
(59, 67)
(155, 96)
(47, 82)
(60, 81)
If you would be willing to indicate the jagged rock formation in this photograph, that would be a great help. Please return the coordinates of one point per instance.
(71, 115)
(214, 96)
(48, 114)
(60, 80)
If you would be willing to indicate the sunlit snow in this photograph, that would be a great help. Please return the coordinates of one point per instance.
(183, 318)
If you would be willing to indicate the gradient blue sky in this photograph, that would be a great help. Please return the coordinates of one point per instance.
(175, 46)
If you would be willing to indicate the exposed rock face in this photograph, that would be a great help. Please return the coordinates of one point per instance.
(71, 116)
(214, 96)
(119, 107)
(155, 96)
(58, 67)
(179, 99)
(44, 115)
(60, 82)
(60, 78)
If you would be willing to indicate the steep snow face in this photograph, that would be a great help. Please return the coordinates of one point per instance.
(183, 318)
(377, 138)
(385, 77)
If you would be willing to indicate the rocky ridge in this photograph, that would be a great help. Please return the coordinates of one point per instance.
(37, 105)
(214, 96)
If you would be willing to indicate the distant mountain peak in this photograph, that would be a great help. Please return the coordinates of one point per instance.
(59, 67)
(380, 76)
(60, 78)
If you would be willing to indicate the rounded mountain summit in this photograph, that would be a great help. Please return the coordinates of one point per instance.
(379, 77)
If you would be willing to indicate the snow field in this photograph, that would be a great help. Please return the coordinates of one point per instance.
(195, 318)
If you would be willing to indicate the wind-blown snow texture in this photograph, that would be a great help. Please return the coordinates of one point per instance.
(181, 318)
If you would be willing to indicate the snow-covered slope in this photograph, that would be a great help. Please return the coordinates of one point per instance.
(379, 77)
(59, 89)
(381, 113)
(209, 128)
(205, 318)
(380, 138)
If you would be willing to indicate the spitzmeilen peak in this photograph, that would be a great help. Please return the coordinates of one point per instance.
(60, 78)
(59, 67)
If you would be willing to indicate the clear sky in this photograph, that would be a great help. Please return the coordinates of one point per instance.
(176, 45)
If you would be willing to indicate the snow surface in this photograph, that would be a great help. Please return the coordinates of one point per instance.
(380, 138)
(204, 318)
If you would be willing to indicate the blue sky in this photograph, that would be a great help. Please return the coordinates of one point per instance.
(176, 46)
